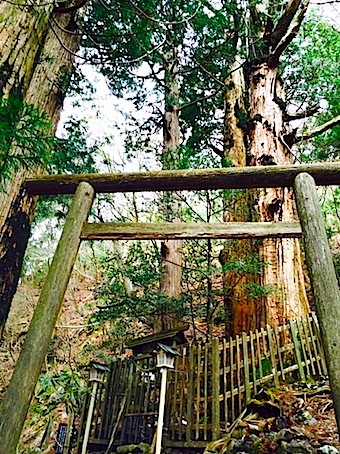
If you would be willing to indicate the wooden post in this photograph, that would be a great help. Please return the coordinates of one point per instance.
(246, 367)
(190, 395)
(215, 389)
(323, 278)
(292, 325)
(18, 395)
(272, 356)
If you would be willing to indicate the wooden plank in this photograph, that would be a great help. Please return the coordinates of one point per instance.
(198, 390)
(164, 231)
(253, 361)
(190, 395)
(296, 343)
(323, 278)
(28, 366)
(231, 343)
(319, 342)
(215, 356)
(182, 180)
(272, 356)
(238, 372)
(259, 355)
(279, 350)
(206, 362)
(246, 367)
(225, 382)
(315, 349)
(174, 411)
(304, 328)
(303, 346)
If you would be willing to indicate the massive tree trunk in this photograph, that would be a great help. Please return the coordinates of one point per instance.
(283, 273)
(282, 277)
(239, 310)
(171, 266)
(35, 66)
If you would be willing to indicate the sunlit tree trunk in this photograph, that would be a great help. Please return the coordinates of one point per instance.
(283, 271)
(239, 310)
(36, 63)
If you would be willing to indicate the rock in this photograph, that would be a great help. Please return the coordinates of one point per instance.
(312, 422)
(304, 416)
(327, 449)
(290, 434)
(248, 444)
(295, 447)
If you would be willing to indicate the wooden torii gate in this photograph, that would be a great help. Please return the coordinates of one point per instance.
(303, 178)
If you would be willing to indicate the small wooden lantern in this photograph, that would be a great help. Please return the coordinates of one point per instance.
(97, 372)
(166, 356)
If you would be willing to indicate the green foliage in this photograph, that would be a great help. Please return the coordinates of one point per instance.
(75, 152)
(311, 69)
(65, 387)
(24, 138)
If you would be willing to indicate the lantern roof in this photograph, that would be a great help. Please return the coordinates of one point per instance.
(99, 366)
(168, 350)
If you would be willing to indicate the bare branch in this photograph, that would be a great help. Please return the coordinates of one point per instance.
(318, 130)
(288, 33)
(308, 112)
(62, 8)
(285, 21)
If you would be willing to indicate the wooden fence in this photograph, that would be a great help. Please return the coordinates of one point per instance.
(210, 386)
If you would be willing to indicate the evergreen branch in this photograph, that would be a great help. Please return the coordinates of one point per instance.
(164, 24)
(195, 101)
(209, 73)
(149, 52)
(318, 130)
(308, 112)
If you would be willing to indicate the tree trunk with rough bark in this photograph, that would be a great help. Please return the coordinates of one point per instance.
(239, 311)
(257, 135)
(283, 273)
(35, 66)
(171, 265)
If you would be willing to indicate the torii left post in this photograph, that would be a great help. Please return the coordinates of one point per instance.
(14, 407)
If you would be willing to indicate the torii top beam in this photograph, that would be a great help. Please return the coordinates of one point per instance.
(181, 180)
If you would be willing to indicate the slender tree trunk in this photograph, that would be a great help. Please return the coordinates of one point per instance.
(36, 67)
(171, 266)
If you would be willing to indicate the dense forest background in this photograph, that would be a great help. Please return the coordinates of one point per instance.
(155, 85)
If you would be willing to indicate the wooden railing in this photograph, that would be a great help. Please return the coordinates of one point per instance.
(210, 386)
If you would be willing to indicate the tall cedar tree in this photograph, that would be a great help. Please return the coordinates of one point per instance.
(37, 44)
(156, 47)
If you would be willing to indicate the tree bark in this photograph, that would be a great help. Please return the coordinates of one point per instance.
(171, 264)
(283, 273)
(36, 67)
(282, 278)
(239, 311)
